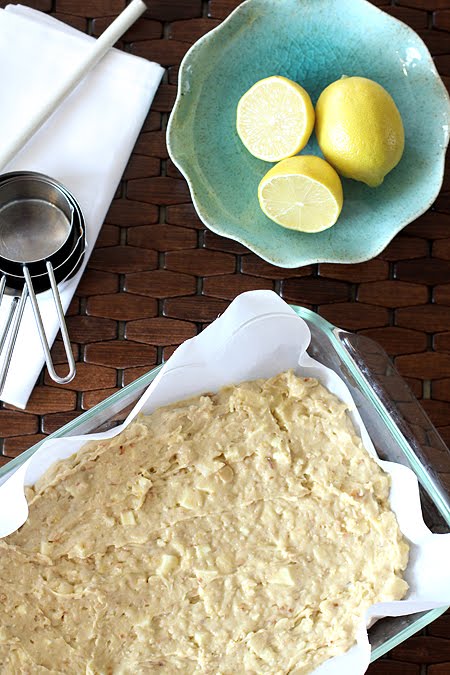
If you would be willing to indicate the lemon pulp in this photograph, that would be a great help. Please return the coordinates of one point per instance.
(302, 193)
(275, 118)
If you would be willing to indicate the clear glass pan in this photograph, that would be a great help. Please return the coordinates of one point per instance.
(397, 424)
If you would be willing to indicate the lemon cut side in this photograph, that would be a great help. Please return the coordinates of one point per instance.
(275, 118)
(302, 193)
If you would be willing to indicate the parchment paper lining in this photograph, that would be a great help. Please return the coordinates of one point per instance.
(259, 336)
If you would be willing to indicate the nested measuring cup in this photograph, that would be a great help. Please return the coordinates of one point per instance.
(42, 243)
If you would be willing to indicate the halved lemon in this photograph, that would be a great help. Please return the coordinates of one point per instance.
(302, 193)
(275, 118)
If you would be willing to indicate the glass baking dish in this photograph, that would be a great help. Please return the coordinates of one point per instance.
(398, 426)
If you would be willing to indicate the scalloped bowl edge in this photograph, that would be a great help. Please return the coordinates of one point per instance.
(189, 60)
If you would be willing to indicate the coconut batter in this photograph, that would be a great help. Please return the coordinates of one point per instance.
(242, 532)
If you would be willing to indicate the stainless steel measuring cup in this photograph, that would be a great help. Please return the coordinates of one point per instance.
(42, 243)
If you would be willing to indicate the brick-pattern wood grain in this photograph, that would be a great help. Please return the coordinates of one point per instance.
(157, 276)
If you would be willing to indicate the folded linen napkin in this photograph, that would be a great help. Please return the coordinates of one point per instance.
(85, 145)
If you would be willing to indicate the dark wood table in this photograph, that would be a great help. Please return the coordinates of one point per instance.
(157, 276)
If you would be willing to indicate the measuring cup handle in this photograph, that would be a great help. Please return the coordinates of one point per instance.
(62, 325)
(10, 329)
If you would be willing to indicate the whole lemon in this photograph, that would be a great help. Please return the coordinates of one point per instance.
(359, 129)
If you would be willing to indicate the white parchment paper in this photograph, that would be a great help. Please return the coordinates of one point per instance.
(259, 335)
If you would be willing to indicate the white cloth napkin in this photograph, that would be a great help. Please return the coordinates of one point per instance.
(85, 145)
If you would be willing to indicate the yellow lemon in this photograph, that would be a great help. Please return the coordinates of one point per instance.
(275, 118)
(359, 129)
(302, 193)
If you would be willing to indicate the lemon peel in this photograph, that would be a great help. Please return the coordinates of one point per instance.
(359, 129)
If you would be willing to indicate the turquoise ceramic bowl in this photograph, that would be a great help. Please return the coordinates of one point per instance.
(313, 42)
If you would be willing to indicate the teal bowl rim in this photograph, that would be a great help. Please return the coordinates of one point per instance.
(218, 228)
